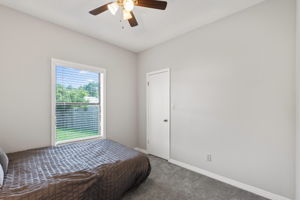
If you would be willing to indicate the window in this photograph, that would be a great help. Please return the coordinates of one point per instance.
(78, 93)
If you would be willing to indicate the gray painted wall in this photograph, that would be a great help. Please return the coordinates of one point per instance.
(297, 186)
(26, 47)
(233, 88)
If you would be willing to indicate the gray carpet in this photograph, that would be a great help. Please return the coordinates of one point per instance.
(170, 182)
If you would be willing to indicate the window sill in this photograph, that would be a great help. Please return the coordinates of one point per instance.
(79, 140)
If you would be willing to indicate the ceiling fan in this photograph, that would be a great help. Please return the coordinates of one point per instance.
(127, 6)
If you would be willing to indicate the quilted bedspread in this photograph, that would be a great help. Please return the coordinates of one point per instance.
(100, 170)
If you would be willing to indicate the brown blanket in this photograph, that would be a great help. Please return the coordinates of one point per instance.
(100, 170)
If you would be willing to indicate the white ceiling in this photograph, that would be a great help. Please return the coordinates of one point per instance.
(155, 26)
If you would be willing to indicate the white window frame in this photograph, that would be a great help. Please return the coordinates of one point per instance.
(102, 114)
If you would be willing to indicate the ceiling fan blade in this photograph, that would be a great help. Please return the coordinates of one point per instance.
(162, 5)
(100, 9)
(133, 22)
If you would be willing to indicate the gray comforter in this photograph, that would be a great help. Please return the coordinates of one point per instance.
(100, 170)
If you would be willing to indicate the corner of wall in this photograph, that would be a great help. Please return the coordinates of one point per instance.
(136, 99)
(139, 110)
(297, 157)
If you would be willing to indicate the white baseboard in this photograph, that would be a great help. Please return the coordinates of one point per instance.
(141, 150)
(229, 181)
(249, 188)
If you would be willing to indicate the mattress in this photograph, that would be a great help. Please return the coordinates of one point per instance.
(100, 169)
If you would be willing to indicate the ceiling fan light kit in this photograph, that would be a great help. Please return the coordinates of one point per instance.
(126, 15)
(113, 8)
(127, 6)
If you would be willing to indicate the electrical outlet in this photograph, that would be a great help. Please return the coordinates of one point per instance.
(209, 158)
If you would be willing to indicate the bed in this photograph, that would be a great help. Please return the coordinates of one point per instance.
(99, 169)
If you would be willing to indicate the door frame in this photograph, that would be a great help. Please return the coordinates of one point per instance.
(168, 71)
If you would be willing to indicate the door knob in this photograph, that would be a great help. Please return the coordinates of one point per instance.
(165, 120)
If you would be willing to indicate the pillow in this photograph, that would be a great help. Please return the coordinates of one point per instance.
(1, 176)
(3, 160)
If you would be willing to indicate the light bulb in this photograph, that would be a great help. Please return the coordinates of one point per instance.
(126, 15)
(128, 5)
(113, 8)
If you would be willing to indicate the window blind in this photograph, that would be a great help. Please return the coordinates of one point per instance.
(78, 102)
